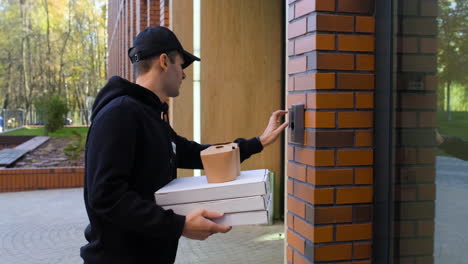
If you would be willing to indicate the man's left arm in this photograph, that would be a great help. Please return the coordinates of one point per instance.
(188, 152)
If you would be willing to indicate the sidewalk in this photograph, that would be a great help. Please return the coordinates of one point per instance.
(46, 227)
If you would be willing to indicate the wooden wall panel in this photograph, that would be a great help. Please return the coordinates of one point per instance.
(241, 73)
(181, 107)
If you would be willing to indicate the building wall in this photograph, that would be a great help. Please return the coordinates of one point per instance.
(331, 48)
(126, 18)
(415, 189)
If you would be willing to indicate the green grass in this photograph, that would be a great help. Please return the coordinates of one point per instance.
(458, 126)
(66, 132)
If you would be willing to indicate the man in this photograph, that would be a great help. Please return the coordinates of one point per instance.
(132, 151)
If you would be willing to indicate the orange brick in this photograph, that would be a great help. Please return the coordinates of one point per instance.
(314, 81)
(356, 43)
(314, 42)
(355, 6)
(296, 171)
(315, 157)
(365, 62)
(353, 232)
(297, 28)
(352, 195)
(314, 195)
(365, 24)
(305, 7)
(325, 81)
(355, 157)
(356, 81)
(333, 61)
(362, 250)
(290, 84)
(295, 241)
(324, 5)
(325, 41)
(332, 215)
(296, 206)
(329, 176)
(296, 99)
(363, 176)
(333, 252)
(325, 22)
(299, 259)
(355, 120)
(305, 44)
(316, 234)
(332, 100)
(365, 100)
(290, 152)
(290, 220)
(290, 186)
(297, 65)
(289, 254)
(364, 138)
(319, 119)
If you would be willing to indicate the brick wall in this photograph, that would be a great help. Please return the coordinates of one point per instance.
(416, 119)
(331, 48)
(17, 180)
(126, 18)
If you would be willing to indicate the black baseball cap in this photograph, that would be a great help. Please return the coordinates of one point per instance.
(157, 40)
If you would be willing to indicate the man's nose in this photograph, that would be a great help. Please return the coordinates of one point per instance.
(183, 75)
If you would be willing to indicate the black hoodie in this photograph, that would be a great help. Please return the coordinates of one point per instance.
(131, 152)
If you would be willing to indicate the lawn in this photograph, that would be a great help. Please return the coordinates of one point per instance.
(65, 132)
(458, 126)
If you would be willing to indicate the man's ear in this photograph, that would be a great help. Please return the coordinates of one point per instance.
(163, 61)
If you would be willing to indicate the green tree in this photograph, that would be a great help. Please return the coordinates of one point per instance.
(52, 110)
(453, 39)
(51, 46)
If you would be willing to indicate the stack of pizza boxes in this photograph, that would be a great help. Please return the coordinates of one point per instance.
(243, 196)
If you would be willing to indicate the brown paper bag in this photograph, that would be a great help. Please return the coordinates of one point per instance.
(221, 162)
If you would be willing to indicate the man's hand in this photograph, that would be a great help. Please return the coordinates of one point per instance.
(274, 128)
(199, 227)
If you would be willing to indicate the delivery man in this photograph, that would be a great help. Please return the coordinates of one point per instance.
(132, 151)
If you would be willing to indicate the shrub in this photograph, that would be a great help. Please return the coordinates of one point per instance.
(52, 110)
(76, 147)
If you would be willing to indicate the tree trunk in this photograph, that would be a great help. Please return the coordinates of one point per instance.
(449, 112)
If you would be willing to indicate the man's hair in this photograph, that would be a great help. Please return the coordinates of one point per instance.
(144, 66)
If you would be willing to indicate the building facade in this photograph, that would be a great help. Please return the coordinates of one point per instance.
(380, 82)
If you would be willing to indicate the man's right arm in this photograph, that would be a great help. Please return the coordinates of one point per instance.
(110, 158)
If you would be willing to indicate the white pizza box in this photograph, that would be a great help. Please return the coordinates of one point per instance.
(197, 189)
(247, 218)
(235, 205)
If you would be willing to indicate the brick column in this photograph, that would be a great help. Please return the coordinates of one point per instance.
(331, 48)
(416, 119)
(154, 12)
(164, 15)
(126, 19)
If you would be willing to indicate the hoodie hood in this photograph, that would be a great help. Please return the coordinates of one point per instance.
(117, 87)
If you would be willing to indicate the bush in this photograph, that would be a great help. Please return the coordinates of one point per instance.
(74, 149)
(52, 110)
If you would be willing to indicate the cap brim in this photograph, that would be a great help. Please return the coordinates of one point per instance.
(189, 58)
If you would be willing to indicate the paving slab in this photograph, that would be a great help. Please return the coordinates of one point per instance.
(33, 143)
(8, 156)
(46, 227)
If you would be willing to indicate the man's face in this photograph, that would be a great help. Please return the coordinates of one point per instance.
(174, 76)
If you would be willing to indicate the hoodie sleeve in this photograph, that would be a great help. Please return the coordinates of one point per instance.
(188, 152)
(110, 158)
